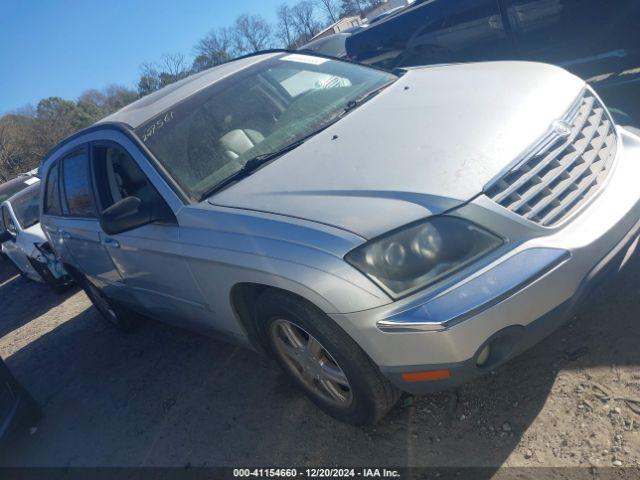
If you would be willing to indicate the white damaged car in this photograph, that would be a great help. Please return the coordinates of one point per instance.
(24, 242)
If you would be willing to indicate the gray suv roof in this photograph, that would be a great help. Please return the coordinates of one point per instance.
(140, 111)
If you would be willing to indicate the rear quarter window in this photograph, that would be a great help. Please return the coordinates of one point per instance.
(52, 195)
(77, 185)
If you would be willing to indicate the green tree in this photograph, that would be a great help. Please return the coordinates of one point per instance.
(27, 135)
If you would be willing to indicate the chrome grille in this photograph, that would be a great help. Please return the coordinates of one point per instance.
(564, 172)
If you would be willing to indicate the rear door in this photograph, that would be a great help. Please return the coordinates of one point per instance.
(51, 211)
(78, 227)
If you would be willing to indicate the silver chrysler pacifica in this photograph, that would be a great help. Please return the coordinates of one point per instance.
(375, 232)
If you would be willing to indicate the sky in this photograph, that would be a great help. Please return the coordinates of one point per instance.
(64, 47)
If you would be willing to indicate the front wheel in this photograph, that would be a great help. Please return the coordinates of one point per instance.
(323, 360)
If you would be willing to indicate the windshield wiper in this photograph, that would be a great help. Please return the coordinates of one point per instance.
(256, 162)
(253, 164)
(352, 104)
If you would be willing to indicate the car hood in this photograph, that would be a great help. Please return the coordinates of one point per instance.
(426, 144)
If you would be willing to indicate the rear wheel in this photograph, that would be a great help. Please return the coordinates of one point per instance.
(120, 317)
(323, 360)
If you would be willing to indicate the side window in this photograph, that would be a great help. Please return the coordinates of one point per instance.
(8, 221)
(77, 187)
(52, 196)
(466, 30)
(119, 176)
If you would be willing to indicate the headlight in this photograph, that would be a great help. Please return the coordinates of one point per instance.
(419, 255)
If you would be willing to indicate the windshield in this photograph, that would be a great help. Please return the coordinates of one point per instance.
(26, 207)
(210, 136)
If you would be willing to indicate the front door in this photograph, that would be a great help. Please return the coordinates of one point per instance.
(148, 257)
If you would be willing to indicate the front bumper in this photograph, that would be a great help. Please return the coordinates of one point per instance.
(45, 273)
(48, 267)
(514, 301)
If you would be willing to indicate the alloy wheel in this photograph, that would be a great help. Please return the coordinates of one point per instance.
(309, 361)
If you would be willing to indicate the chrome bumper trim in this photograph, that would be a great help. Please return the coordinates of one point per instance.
(476, 295)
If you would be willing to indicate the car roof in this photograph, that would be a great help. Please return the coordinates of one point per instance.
(145, 109)
(335, 42)
(329, 38)
(25, 191)
(10, 188)
(387, 13)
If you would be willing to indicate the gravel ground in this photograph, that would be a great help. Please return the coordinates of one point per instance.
(163, 396)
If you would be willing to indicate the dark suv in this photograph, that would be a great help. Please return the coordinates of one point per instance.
(591, 38)
(17, 408)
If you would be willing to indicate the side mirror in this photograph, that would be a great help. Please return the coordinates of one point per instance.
(5, 236)
(127, 214)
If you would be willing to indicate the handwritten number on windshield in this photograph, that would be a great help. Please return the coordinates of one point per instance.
(157, 125)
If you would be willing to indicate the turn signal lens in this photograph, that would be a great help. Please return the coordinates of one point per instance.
(483, 356)
(426, 376)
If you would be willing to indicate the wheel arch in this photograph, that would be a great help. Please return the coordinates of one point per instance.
(243, 299)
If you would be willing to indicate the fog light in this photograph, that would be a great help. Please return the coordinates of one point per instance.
(483, 356)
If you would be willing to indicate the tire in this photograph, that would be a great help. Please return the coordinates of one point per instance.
(286, 321)
(58, 286)
(116, 315)
(58, 289)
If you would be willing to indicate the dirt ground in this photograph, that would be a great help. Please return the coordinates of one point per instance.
(167, 397)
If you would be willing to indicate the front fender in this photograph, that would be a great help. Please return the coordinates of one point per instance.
(225, 247)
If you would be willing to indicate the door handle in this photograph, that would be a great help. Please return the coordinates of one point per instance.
(110, 242)
(64, 234)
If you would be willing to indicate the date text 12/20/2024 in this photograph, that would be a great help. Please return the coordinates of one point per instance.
(315, 473)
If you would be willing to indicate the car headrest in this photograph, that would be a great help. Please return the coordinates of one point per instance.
(238, 141)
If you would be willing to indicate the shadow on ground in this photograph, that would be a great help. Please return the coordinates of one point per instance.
(163, 396)
(39, 301)
(7, 270)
